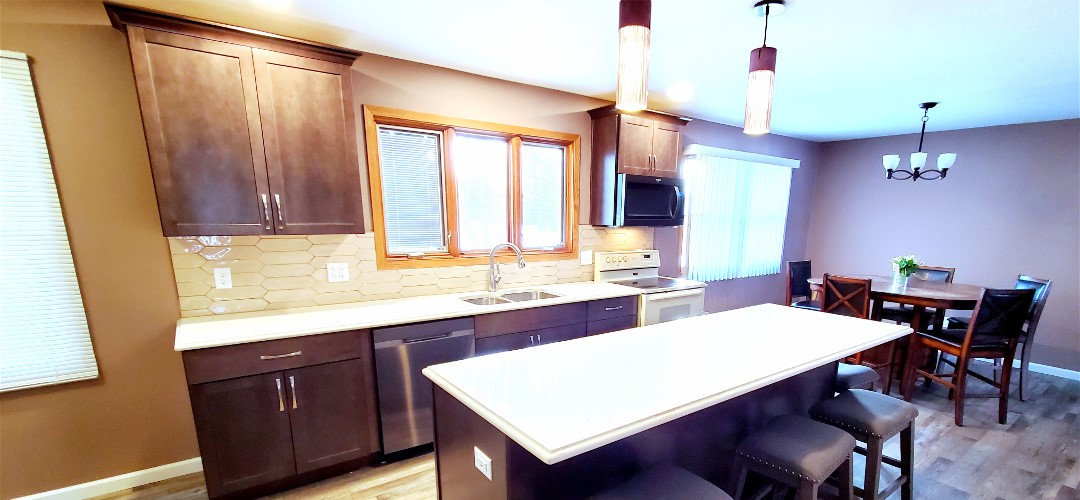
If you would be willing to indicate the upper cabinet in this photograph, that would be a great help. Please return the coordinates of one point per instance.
(247, 133)
(639, 143)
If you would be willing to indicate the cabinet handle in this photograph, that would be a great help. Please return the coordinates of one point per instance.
(539, 340)
(280, 396)
(616, 308)
(292, 387)
(280, 212)
(530, 340)
(266, 209)
(279, 356)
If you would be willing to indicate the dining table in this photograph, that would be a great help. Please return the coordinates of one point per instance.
(920, 295)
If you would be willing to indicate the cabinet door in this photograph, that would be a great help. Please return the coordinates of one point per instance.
(243, 430)
(327, 406)
(635, 145)
(665, 148)
(311, 147)
(558, 333)
(201, 120)
(501, 343)
(612, 325)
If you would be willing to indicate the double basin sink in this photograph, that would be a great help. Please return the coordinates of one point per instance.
(507, 297)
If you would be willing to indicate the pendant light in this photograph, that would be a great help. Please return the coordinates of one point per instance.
(918, 159)
(759, 85)
(632, 89)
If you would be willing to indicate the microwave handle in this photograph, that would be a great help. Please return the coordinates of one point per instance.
(677, 202)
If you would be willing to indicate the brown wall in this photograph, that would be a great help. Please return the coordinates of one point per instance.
(1010, 205)
(136, 415)
(731, 294)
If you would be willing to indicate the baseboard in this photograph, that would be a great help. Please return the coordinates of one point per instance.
(1044, 369)
(121, 482)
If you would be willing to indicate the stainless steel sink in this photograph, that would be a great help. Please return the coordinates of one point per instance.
(486, 301)
(529, 295)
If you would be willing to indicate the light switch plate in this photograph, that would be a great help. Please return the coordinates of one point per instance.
(586, 257)
(222, 277)
(482, 462)
(337, 272)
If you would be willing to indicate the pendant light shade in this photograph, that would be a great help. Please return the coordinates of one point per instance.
(632, 90)
(759, 85)
(759, 91)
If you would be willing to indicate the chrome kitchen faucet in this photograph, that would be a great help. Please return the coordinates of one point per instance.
(496, 277)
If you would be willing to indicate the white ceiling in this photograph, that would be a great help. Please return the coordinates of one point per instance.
(846, 68)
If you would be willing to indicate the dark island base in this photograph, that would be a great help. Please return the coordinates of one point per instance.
(702, 442)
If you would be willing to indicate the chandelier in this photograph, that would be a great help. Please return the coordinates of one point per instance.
(918, 159)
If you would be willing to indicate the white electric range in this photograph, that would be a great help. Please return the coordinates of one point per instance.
(662, 298)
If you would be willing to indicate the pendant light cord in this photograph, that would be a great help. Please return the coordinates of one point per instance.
(766, 37)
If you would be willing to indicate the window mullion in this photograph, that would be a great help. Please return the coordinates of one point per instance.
(514, 191)
(452, 231)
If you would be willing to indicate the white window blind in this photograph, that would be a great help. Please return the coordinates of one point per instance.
(736, 215)
(543, 195)
(44, 338)
(481, 170)
(412, 193)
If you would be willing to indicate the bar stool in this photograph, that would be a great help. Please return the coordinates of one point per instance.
(664, 481)
(854, 377)
(798, 452)
(873, 418)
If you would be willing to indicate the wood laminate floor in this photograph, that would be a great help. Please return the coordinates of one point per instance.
(1035, 455)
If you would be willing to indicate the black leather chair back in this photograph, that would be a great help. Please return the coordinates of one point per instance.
(798, 273)
(1001, 313)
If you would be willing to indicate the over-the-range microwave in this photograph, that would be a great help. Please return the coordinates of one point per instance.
(642, 200)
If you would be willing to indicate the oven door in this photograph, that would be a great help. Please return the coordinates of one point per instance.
(669, 306)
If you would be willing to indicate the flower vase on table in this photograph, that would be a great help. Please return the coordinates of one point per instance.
(903, 266)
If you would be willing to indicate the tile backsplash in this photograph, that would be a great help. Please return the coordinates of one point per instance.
(280, 272)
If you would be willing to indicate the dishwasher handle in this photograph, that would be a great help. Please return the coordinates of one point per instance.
(387, 344)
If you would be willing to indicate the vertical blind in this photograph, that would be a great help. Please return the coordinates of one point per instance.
(543, 195)
(736, 216)
(44, 338)
(411, 171)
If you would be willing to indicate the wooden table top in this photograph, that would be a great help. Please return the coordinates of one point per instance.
(921, 293)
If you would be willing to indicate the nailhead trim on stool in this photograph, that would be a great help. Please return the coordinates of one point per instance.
(790, 449)
(874, 418)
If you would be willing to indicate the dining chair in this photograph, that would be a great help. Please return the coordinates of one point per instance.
(1027, 339)
(993, 333)
(904, 314)
(849, 297)
(798, 289)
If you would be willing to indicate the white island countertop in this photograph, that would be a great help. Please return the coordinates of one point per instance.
(563, 399)
(215, 331)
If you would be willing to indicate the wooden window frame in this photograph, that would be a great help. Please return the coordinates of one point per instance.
(374, 116)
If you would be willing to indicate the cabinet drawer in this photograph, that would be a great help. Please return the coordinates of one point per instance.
(502, 323)
(530, 338)
(613, 308)
(612, 324)
(219, 363)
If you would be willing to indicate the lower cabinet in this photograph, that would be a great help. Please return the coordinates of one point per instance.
(498, 332)
(530, 338)
(307, 413)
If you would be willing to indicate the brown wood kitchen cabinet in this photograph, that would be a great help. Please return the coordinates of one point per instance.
(638, 143)
(510, 330)
(272, 415)
(247, 133)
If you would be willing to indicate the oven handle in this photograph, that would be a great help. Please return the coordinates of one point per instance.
(674, 295)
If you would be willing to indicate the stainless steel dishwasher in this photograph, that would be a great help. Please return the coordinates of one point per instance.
(401, 352)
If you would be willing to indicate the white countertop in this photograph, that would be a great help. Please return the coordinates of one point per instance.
(563, 399)
(214, 331)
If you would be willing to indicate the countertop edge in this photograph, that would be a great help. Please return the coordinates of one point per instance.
(551, 457)
(182, 342)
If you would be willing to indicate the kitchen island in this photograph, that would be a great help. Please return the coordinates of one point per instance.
(568, 419)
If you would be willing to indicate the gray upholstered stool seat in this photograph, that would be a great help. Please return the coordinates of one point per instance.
(798, 451)
(873, 418)
(664, 481)
(854, 377)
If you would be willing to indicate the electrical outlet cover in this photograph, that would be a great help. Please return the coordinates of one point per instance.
(586, 257)
(222, 277)
(337, 272)
(482, 462)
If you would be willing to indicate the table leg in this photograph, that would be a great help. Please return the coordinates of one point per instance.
(911, 357)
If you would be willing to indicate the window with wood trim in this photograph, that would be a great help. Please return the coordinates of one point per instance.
(445, 190)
